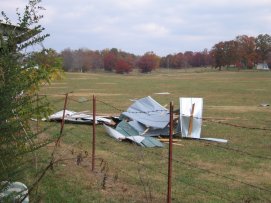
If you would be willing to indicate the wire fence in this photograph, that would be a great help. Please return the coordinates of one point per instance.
(147, 168)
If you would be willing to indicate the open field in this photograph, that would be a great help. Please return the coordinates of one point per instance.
(239, 171)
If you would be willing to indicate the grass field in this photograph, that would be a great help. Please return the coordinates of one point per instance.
(239, 171)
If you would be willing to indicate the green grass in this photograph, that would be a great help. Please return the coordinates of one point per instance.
(232, 97)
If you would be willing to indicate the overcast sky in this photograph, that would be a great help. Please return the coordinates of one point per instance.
(137, 26)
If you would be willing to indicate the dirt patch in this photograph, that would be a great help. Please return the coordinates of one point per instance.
(81, 78)
(58, 83)
(58, 87)
(96, 94)
(86, 94)
(106, 83)
(259, 90)
(224, 119)
(91, 90)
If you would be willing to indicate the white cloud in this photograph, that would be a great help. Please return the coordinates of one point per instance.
(11, 5)
(152, 29)
(132, 4)
(149, 25)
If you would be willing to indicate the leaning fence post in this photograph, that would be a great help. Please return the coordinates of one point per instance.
(170, 153)
(63, 120)
(93, 132)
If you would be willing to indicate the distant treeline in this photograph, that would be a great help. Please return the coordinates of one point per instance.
(242, 52)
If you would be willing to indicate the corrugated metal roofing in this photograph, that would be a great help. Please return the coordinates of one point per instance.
(148, 112)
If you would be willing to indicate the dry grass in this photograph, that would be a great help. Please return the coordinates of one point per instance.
(228, 96)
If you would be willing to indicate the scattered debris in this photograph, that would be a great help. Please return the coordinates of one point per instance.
(264, 105)
(143, 120)
(162, 93)
(143, 141)
(15, 190)
(146, 121)
(148, 112)
(78, 117)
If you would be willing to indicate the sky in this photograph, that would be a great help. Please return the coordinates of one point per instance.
(138, 26)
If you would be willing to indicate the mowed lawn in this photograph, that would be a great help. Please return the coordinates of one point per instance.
(239, 171)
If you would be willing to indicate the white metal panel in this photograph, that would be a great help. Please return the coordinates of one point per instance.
(186, 105)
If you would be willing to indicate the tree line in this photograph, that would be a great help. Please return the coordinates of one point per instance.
(242, 52)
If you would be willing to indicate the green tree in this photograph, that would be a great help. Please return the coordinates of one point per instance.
(21, 75)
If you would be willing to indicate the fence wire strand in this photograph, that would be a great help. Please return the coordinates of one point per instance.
(141, 155)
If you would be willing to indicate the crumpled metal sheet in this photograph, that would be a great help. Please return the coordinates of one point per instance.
(127, 130)
(132, 134)
(114, 133)
(148, 112)
(143, 130)
(77, 117)
(138, 139)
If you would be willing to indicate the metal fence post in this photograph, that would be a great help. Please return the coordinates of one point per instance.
(170, 154)
(63, 120)
(93, 133)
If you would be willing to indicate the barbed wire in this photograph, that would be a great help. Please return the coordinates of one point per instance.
(131, 112)
(118, 169)
(238, 126)
(211, 143)
(240, 151)
(80, 102)
(194, 117)
(153, 111)
(193, 166)
(166, 175)
(190, 165)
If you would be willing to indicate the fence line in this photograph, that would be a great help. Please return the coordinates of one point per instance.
(200, 118)
(165, 175)
(190, 165)
(239, 151)
(193, 166)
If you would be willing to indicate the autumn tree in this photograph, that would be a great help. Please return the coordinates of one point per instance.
(166, 62)
(207, 58)
(263, 47)
(110, 59)
(67, 57)
(231, 55)
(178, 60)
(122, 66)
(218, 55)
(188, 56)
(247, 50)
(148, 62)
